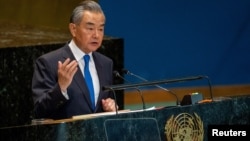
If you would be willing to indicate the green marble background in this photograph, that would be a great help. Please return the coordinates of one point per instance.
(16, 70)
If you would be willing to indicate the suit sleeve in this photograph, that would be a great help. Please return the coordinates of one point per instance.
(46, 92)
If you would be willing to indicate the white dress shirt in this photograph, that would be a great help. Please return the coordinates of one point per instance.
(78, 54)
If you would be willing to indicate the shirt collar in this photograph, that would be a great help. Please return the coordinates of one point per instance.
(76, 51)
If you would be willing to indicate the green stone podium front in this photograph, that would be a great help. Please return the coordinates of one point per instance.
(188, 122)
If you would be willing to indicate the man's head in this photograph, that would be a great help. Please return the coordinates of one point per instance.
(87, 26)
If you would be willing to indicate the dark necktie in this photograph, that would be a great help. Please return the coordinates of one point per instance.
(88, 80)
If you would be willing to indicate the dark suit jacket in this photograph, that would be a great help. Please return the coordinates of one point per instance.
(48, 99)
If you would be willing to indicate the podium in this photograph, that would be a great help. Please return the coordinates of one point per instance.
(159, 124)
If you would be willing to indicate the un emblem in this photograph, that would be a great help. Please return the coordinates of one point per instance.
(184, 127)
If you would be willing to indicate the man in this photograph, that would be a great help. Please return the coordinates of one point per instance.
(59, 86)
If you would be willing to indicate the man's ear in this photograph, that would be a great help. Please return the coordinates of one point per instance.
(72, 29)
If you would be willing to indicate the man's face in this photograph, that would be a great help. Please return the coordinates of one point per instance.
(88, 35)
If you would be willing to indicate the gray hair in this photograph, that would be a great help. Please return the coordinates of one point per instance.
(87, 5)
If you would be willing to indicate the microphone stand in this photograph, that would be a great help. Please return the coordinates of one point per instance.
(149, 83)
(158, 86)
(117, 74)
(116, 109)
(210, 87)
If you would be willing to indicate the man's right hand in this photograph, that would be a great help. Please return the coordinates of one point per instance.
(66, 71)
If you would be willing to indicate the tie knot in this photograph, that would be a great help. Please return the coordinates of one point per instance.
(86, 58)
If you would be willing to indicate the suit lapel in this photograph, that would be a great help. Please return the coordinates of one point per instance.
(78, 78)
(99, 69)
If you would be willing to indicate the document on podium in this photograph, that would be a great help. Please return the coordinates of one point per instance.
(87, 116)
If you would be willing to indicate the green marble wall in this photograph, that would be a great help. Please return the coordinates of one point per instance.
(16, 70)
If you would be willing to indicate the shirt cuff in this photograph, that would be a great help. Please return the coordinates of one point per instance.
(65, 94)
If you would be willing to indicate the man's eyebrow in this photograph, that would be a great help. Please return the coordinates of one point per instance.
(90, 23)
(102, 24)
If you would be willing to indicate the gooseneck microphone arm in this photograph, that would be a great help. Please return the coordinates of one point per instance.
(199, 77)
(116, 106)
(125, 86)
(117, 74)
(210, 87)
(158, 86)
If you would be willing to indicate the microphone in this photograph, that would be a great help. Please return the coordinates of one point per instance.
(117, 74)
(158, 86)
(210, 87)
(176, 80)
(114, 94)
